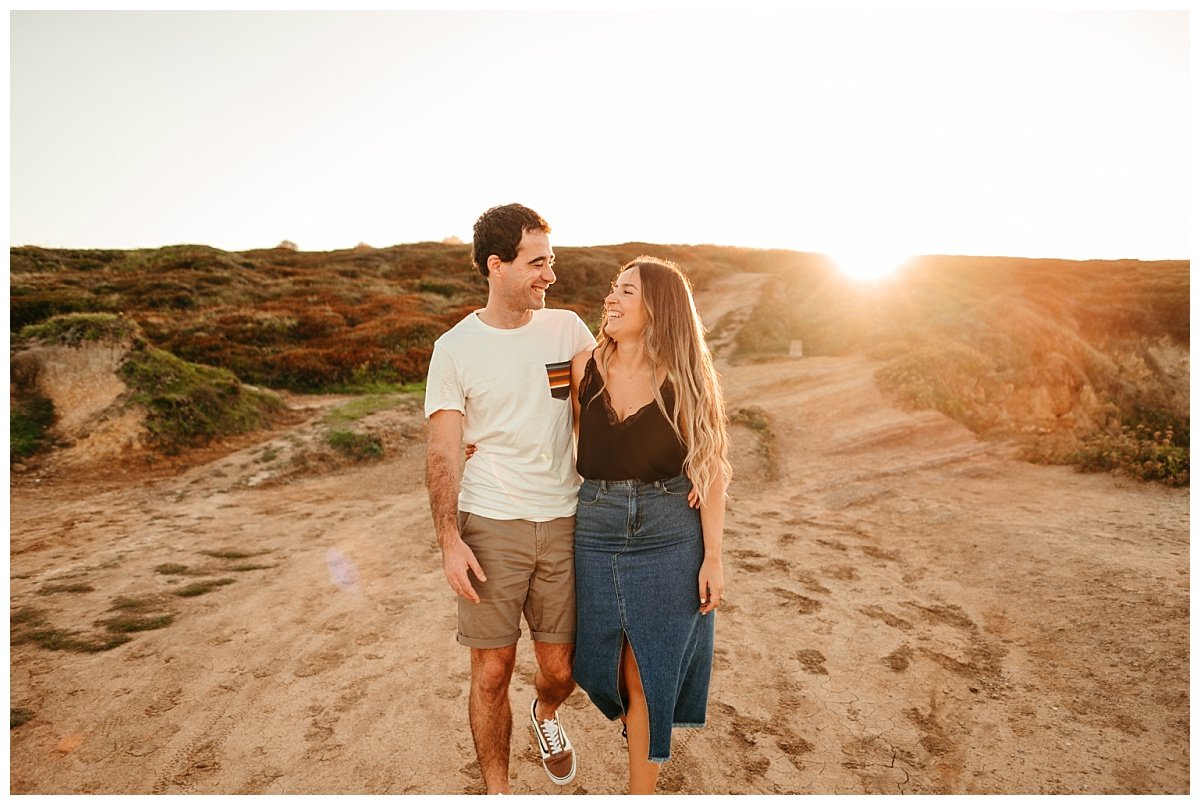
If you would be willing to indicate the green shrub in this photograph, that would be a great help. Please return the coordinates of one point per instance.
(935, 377)
(1139, 452)
(73, 329)
(191, 404)
(358, 446)
(28, 421)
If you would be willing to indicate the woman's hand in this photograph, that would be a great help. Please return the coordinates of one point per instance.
(470, 451)
(712, 584)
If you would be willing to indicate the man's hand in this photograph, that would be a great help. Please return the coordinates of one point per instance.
(457, 559)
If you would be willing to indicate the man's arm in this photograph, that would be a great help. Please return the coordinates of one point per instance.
(443, 474)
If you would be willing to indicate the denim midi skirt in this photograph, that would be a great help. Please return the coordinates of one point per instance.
(638, 551)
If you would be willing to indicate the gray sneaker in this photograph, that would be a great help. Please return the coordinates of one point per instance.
(558, 756)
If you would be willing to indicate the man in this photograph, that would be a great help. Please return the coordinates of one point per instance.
(506, 524)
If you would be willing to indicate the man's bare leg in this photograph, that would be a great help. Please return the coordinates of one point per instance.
(553, 680)
(491, 714)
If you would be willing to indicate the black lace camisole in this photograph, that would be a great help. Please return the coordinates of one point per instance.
(643, 446)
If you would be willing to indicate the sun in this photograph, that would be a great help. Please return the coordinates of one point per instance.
(868, 265)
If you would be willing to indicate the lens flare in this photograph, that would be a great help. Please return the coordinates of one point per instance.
(342, 571)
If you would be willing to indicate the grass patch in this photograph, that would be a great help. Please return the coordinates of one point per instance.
(18, 716)
(66, 640)
(29, 625)
(233, 554)
(28, 421)
(74, 329)
(126, 603)
(51, 589)
(26, 616)
(137, 614)
(378, 387)
(415, 387)
(757, 420)
(357, 446)
(173, 569)
(137, 623)
(202, 587)
(364, 406)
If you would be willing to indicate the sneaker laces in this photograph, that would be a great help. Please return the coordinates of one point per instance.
(553, 735)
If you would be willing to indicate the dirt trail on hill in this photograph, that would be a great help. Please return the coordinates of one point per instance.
(909, 610)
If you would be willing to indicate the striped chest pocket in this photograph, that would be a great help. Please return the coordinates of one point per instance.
(559, 375)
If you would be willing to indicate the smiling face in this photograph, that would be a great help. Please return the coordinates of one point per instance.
(522, 283)
(625, 314)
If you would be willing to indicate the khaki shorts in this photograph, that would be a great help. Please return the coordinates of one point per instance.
(530, 568)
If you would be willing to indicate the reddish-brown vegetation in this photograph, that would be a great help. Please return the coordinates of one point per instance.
(1069, 355)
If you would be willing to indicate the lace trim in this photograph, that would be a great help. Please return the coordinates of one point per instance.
(593, 371)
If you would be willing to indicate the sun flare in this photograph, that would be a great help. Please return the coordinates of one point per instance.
(866, 265)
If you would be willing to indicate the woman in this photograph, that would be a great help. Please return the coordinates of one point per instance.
(648, 574)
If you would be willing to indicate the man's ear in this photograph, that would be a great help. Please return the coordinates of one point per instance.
(493, 262)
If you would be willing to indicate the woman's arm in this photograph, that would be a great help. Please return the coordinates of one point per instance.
(712, 524)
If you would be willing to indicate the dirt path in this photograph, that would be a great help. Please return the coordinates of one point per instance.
(910, 610)
(726, 304)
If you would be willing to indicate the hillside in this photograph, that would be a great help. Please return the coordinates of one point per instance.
(305, 321)
(1080, 362)
(1084, 362)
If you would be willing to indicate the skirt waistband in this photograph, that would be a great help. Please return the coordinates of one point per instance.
(677, 485)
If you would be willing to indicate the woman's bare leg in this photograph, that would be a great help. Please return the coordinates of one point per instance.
(643, 774)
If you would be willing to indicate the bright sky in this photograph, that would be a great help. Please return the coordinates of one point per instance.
(1009, 133)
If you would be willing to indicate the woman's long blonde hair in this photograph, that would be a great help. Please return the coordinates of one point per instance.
(674, 341)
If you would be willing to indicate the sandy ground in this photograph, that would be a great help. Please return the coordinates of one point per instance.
(910, 610)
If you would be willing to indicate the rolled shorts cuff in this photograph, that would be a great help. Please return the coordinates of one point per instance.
(489, 642)
(553, 637)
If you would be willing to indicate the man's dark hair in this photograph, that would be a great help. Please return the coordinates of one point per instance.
(499, 231)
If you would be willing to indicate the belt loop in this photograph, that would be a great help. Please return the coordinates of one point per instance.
(603, 486)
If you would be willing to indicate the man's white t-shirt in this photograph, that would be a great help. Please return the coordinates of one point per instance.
(512, 387)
